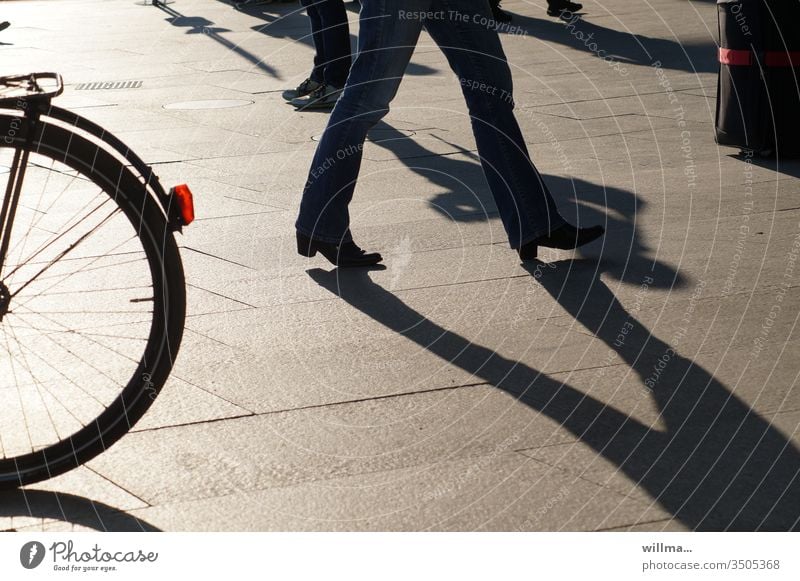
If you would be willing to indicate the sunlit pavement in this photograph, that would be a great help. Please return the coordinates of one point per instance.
(647, 382)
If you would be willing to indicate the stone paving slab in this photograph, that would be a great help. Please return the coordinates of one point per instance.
(521, 496)
(316, 444)
(453, 389)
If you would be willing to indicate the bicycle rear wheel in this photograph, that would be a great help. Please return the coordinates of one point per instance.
(92, 303)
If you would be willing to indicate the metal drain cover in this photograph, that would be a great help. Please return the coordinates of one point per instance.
(209, 104)
(108, 85)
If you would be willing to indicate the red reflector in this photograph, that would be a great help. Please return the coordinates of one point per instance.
(183, 197)
(730, 56)
(779, 58)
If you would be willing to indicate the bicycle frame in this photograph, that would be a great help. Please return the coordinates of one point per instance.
(11, 201)
(33, 102)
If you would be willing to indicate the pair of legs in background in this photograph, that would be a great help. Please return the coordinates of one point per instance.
(389, 31)
(554, 8)
(331, 36)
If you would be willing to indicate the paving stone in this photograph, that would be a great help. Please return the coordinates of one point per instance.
(446, 496)
(454, 389)
(278, 450)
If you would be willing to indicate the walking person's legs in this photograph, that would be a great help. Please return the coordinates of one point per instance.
(330, 34)
(476, 56)
(318, 38)
(385, 44)
(527, 209)
(335, 35)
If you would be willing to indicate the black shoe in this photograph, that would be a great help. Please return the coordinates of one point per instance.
(344, 254)
(305, 88)
(566, 237)
(556, 8)
(500, 15)
(324, 97)
(5, 24)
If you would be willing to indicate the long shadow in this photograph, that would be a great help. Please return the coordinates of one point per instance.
(69, 508)
(789, 166)
(291, 23)
(201, 25)
(623, 46)
(716, 466)
(464, 196)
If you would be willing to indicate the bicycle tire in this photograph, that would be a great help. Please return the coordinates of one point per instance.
(93, 162)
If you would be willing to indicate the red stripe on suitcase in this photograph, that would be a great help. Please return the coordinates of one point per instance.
(779, 58)
(730, 56)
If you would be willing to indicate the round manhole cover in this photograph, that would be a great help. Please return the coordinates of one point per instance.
(209, 104)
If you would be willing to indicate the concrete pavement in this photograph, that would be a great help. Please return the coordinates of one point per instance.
(648, 382)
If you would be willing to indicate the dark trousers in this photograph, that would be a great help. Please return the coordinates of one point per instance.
(331, 36)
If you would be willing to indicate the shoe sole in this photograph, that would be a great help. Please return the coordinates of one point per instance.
(315, 105)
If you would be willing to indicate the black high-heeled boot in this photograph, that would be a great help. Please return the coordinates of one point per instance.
(342, 255)
(565, 237)
(498, 13)
(558, 7)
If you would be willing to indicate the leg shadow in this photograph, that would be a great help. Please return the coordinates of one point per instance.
(718, 465)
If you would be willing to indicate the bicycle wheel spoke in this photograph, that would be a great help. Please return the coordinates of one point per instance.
(52, 276)
(65, 252)
(67, 330)
(42, 213)
(14, 375)
(44, 406)
(64, 277)
(91, 303)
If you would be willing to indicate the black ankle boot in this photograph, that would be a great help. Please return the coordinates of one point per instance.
(565, 237)
(498, 13)
(342, 255)
(557, 7)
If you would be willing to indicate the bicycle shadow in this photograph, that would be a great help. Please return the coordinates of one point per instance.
(77, 510)
(716, 466)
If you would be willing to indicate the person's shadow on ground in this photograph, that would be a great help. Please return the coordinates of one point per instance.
(463, 196)
(282, 20)
(717, 465)
(621, 45)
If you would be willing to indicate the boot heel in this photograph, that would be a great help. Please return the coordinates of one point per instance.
(305, 246)
(529, 251)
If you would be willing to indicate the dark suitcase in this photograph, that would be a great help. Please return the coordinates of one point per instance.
(758, 89)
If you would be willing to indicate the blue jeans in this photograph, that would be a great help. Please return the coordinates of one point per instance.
(331, 36)
(388, 34)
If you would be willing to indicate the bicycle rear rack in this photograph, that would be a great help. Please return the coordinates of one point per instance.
(32, 87)
(18, 91)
